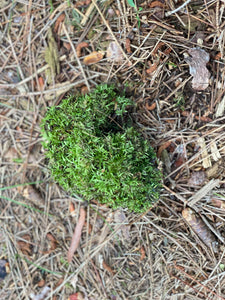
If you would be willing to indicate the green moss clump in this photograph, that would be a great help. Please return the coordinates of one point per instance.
(94, 151)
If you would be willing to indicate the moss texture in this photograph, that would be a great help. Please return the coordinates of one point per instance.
(95, 152)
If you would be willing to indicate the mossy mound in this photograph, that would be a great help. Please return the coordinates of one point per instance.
(95, 153)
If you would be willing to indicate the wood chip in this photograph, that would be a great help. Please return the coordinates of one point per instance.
(206, 161)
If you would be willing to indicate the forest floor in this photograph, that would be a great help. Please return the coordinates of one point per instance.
(169, 56)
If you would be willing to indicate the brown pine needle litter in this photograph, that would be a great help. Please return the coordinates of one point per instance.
(168, 58)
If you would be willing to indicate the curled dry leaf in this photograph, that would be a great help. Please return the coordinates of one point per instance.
(53, 243)
(199, 227)
(197, 63)
(25, 247)
(107, 268)
(93, 58)
(151, 107)
(77, 234)
(80, 46)
(114, 52)
(58, 21)
(197, 178)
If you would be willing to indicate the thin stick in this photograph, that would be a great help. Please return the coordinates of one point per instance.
(177, 9)
(75, 54)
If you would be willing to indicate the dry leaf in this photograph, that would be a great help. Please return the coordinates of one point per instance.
(199, 227)
(114, 52)
(25, 247)
(58, 21)
(93, 58)
(53, 244)
(80, 46)
(67, 46)
(151, 107)
(197, 178)
(152, 68)
(107, 268)
(197, 63)
(120, 218)
(32, 194)
(127, 46)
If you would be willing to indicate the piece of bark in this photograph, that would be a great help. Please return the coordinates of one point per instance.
(197, 63)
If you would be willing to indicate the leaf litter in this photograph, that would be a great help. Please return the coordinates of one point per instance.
(172, 114)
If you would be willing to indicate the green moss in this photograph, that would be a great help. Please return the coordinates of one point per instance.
(94, 151)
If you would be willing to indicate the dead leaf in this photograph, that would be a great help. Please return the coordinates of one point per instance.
(114, 52)
(80, 46)
(51, 57)
(127, 46)
(162, 147)
(107, 268)
(93, 58)
(67, 46)
(25, 247)
(58, 21)
(32, 194)
(197, 178)
(156, 4)
(120, 218)
(152, 68)
(199, 227)
(197, 63)
(53, 243)
(151, 107)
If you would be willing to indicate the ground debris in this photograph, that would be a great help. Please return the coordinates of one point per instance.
(197, 63)
(199, 227)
